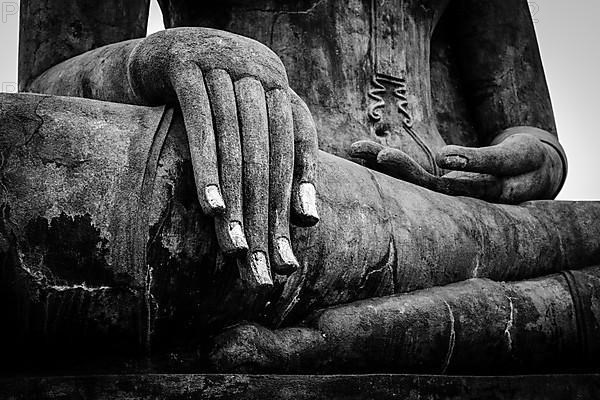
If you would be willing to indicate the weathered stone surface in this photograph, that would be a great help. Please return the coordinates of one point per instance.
(302, 387)
(74, 185)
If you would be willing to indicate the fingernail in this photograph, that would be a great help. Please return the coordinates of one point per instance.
(236, 234)
(287, 262)
(308, 200)
(260, 269)
(214, 198)
(456, 161)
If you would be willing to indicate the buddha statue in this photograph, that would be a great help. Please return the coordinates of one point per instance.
(277, 186)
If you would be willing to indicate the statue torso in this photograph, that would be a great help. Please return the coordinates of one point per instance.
(364, 67)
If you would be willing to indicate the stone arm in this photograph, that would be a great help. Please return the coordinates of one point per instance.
(506, 94)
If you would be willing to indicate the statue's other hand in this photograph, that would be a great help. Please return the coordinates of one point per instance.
(252, 140)
(522, 164)
(398, 164)
(518, 167)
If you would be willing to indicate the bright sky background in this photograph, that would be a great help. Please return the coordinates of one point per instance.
(568, 33)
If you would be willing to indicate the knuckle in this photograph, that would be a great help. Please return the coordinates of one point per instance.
(214, 49)
(241, 57)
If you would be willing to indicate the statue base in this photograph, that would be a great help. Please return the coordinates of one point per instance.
(297, 387)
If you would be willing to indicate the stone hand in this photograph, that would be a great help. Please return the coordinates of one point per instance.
(522, 164)
(252, 140)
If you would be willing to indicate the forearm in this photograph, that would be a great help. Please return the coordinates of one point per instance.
(99, 74)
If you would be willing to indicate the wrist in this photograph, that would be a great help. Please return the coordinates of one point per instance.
(147, 70)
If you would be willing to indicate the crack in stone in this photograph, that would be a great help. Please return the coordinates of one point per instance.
(279, 13)
(296, 296)
(391, 225)
(84, 287)
(298, 12)
(388, 265)
(475, 273)
(481, 252)
(509, 324)
(151, 305)
(451, 339)
(6, 154)
(40, 278)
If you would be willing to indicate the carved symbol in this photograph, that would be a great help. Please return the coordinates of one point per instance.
(400, 92)
(374, 109)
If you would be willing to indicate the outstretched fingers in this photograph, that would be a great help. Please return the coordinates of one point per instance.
(281, 127)
(254, 127)
(393, 162)
(398, 164)
(188, 82)
(254, 160)
(229, 227)
(304, 196)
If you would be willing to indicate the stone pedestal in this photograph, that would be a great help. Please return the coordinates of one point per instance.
(274, 387)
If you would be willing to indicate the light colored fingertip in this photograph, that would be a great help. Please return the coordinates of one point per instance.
(308, 201)
(286, 262)
(259, 274)
(237, 236)
(455, 161)
(284, 250)
(214, 199)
